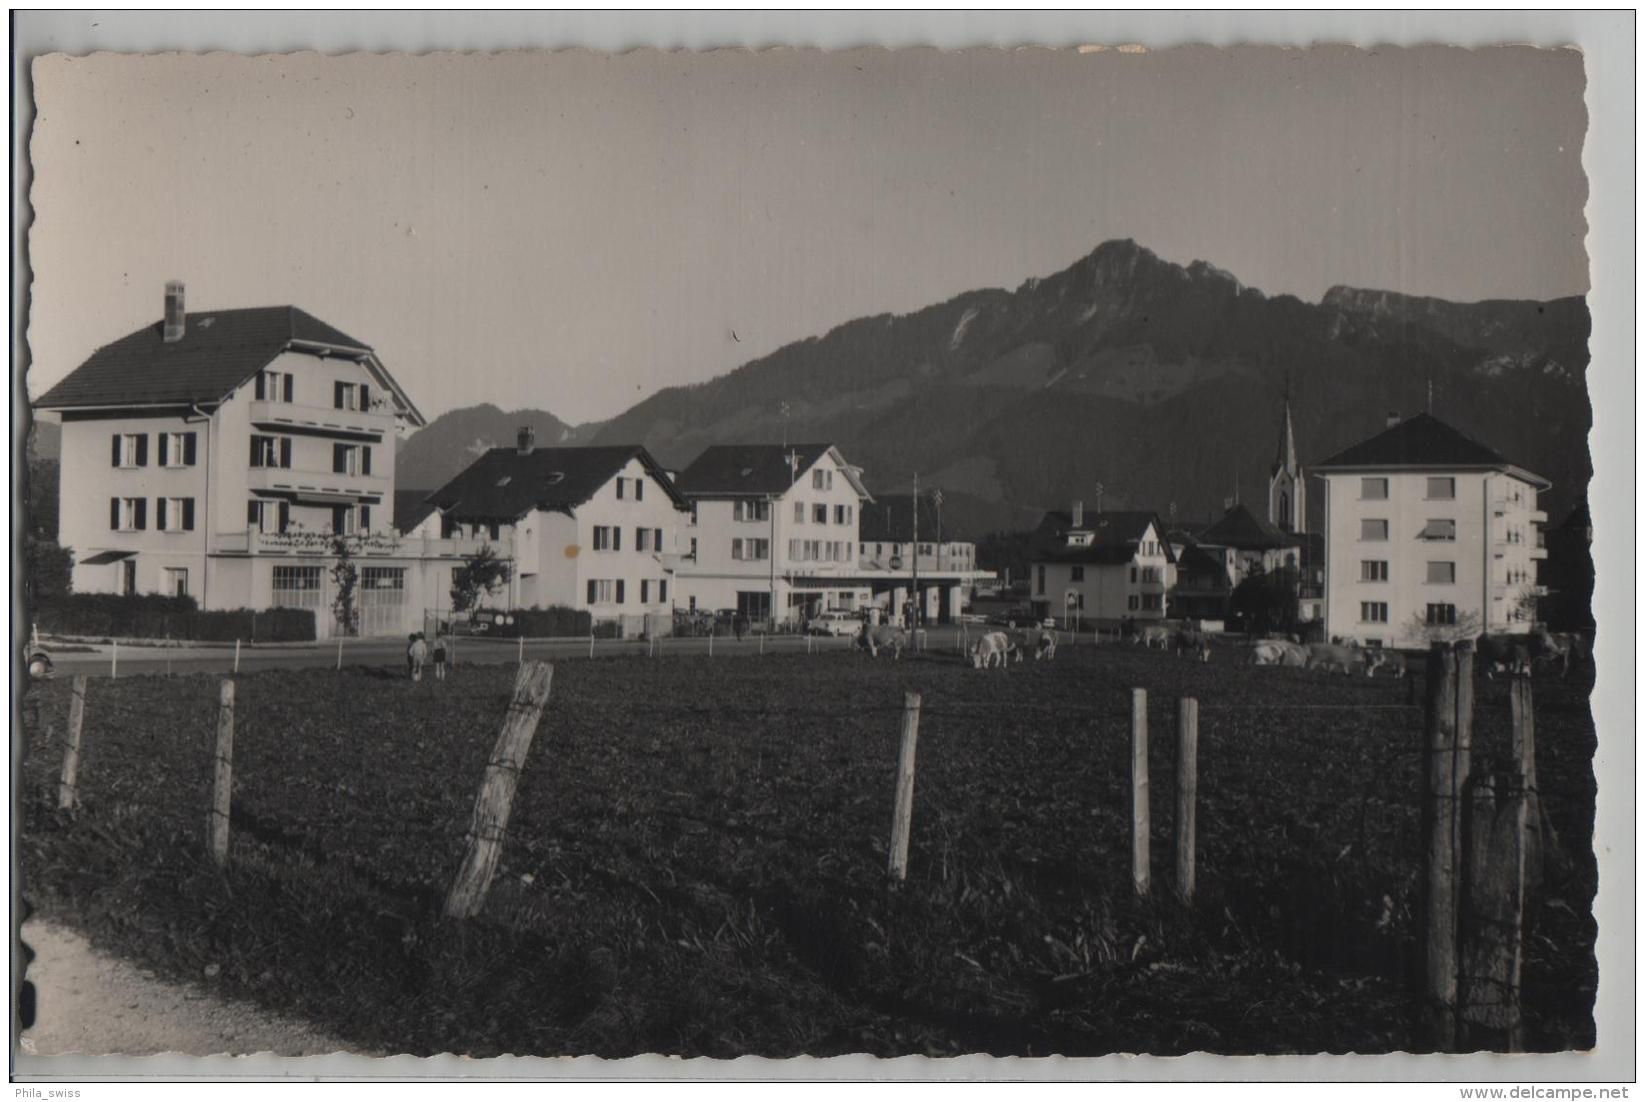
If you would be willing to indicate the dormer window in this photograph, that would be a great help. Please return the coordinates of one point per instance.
(505, 480)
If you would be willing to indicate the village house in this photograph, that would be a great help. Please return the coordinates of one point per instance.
(1428, 529)
(887, 539)
(1097, 569)
(592, 528)
(216, 454)
(773, 531)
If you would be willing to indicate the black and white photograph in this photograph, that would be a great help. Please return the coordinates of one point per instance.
(946, 553)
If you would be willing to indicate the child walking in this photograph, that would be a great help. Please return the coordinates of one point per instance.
(439, 657)
(416, 655)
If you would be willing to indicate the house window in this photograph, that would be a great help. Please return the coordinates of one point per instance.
(621, 486)
(1039, 580)
(1442, 489)
(819, 514)
(751, 510)
(271, 451)
(1442, 573)
(1442, 615)
(269, 516)
(1373, 489)
(1373, 529)
(737, 549)
(351, 396)
(1373, 570)
(275, 386)
(822, 480)
(177, 449)
(602, 538)
(1151, 602)
(382, 577)
(645, 591)
(353, 459)
(662, 591)
(1133, 573)
(128, 514)
(799, 512)
(344, 520)
(131, 449)
(174, 514)
(1150, 573)
(1442, 530)
(1373, 612)
(601, 591)
(839, 514)
(693, 548)
(176, 581)
(1133, 602)
(295, 579)
(642, 536)
(639, 489)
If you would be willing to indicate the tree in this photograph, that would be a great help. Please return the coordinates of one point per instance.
(345, 578)
(47, 569)
(1266, 600)
(481, 576)
(1421, 633)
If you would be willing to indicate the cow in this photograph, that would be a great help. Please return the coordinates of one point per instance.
(1571, 647)
(995, 645)
(1515, 653)
(1384, 658)
(1278, 652)
(872, 638)
(1150, 634)
(1191, 642)
(1343, 656)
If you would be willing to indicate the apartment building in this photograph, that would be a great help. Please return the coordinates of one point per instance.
(1427, 532)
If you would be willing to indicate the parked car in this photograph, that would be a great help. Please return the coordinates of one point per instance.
(38, 661)
(834, 622)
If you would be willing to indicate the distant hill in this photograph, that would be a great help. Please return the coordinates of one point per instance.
(1161, 382)
(436, 453)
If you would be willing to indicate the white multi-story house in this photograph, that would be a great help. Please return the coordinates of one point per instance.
(592, 528)
(214, 453)
(1100, 568)
(1428, 529)
(887, 538)
(773, 532)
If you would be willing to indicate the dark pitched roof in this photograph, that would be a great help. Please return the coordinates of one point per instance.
(219, 351)
(1114, 537)
(1422, 441)
(503, 485)
(730, 470)
(1242, 529)
(1197, 560)
(411, 508)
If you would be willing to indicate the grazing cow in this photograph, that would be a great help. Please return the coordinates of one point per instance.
(872, 639)
(1045, 645)
(1278, 652)
(1151, 634)
(1192, 643)
(1571, 647)
(1383, 658)
(1515, 653)
(1343, 656)
(992, 648)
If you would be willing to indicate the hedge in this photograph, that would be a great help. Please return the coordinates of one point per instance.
(534, 623)
(150, 616)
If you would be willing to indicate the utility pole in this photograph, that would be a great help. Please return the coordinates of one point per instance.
(914, 624)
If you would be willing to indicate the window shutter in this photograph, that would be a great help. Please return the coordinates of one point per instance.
(285, 452)
(285, 515)
(114, 460)
(160, 511)
(188, 514)
(365, 459)
(662, 590)
(619, 591)
(143, 450)
(657, 539)
(620, 481)
(165, 448)
(254, 456)
(114, 511)
(290, 379)
(645, 591)
(617, 539)
(337, 395)
(142, 514)
(365, 518)
(591, 590)
(252, 512)
(365, 397)
(261, 387)
(337, 519)
(188, 448)
(639, 489)
(339, 458)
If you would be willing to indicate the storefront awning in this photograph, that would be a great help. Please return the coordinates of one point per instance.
(102, 558)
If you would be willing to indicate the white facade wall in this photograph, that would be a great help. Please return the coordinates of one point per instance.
(1107, 592)
(1493, 555)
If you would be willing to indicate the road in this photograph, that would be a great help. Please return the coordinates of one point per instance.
(102, 660)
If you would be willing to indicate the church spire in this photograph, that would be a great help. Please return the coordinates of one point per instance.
(1286, 490)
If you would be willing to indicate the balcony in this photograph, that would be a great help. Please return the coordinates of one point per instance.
(376, 544)
(285, 480)
(1539, 516)
(287, 415)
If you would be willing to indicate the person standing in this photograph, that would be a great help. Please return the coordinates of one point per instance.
(417, 654)
(439, 657)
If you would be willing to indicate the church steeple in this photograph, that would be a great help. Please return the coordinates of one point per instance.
(1287, 506)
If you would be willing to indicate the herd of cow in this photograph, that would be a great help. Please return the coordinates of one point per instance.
(1496, 653)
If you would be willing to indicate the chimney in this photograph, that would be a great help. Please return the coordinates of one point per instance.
(174, 311)
(1393, 418)
(528, 440)
(1079, 514)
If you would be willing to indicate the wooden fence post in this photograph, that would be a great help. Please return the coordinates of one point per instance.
(1139, 791)
(1187, 794)
(1542, 833)
(496, 798)
(114, 662)
(68, 793)
(903, 816)
(1445, 774)
(237, 656)
(339, 652)
(1492, 934)
(222, 782)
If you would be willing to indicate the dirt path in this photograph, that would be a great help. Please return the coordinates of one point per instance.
(92, 1003)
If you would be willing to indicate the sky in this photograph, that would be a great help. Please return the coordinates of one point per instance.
(573, 231)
